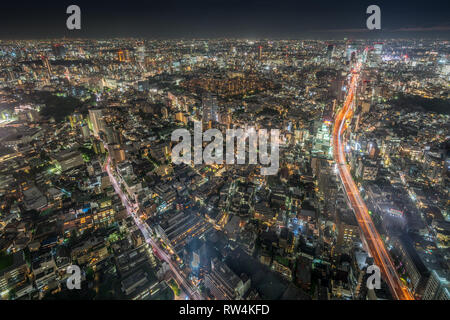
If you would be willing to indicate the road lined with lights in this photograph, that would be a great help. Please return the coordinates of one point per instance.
(144, 229)
(373, 240)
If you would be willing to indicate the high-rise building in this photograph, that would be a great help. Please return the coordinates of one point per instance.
(59, 50)
(112, 136)
(181, 116)
(13, 275)
(126, 53)
(164, 113)
(330, 51)
(95, 116)
(365, 107)
(121, 56)
(69, 160)
(85, 131)
(117, 153)
(438, 286)
(322, 140)
(223, 283)
(210, 108)
(378, 48)
(141, 52)
(348, 230)
(350, 52)
(367, 169)
(417, 273)
(47, 67)
(98, 146)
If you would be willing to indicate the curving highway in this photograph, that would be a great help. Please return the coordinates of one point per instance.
(373, 240)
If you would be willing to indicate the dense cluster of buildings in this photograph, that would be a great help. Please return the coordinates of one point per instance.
(86, 175)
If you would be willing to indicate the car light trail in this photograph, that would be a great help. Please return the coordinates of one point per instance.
(144, 229)
(372, 238)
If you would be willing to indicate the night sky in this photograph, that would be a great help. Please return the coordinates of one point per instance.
(251, 19)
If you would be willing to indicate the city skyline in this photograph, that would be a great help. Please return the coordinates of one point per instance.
(182, 154)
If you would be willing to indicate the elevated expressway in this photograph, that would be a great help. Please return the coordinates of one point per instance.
(372, 238)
